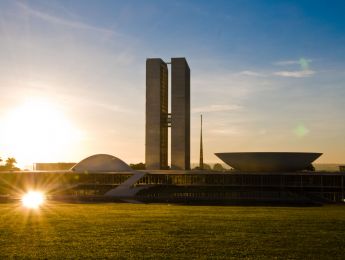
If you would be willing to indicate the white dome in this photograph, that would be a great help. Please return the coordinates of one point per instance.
(101, 163)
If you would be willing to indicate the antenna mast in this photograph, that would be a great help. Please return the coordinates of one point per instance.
(201, 162)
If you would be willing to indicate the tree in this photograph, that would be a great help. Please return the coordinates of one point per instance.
(10, 165)
(310, 167)
(206, 167)
(218, 167)
(10, 162)
(138, 166)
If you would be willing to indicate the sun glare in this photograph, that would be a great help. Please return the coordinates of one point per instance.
(33, 199)
(37, 130)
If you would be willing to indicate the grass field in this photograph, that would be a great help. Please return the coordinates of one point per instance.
(172, 231)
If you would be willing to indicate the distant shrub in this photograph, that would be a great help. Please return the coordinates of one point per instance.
(218, 167)
(310, 168)
(138, 166)
(206, 167)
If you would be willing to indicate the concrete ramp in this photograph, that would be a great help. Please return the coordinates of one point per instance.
(126, 189)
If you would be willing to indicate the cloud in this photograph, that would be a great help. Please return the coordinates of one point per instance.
(252, 73)
(63, 21)
(216, 108)
(304, 71)
(292, 62)
(295, 74)
(302, 62)
(222, 86)
(286, 62)
(228, 131)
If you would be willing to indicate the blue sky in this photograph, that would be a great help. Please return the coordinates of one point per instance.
(267, 75)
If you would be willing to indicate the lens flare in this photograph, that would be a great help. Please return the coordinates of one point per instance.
(33, 199)
(301, 130)
(304, 63)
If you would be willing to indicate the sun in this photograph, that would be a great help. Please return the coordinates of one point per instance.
(37, 130)
(33, 199)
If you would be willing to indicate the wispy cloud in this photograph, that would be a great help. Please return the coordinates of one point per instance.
(222, 86)
(228, 131)
(252, 73)
(304, 71)
(216, 108)
(62, 20)
(302, 62)
(295, 74)
(291, 62)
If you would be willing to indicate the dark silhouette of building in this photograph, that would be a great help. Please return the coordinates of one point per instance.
(156, 146)
(158, 118)
(180, 114)
(103, 177)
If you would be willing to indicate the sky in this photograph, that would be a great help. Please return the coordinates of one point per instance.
(266, 75)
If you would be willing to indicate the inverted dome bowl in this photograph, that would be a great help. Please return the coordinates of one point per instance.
(269, 161)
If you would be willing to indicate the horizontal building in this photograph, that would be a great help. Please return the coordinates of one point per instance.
(192, 186)
(59, 166)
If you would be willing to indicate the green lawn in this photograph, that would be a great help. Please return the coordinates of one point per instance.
(172, 231)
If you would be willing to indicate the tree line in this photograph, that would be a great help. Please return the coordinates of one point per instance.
(9, 164)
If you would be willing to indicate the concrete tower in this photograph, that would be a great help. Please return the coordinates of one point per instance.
(180, 114)
(158, 119)
(156, 139)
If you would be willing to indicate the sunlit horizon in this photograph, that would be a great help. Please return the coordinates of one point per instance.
(266, 77)
(37, 130)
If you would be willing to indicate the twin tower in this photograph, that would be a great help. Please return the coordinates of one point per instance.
(158, 118)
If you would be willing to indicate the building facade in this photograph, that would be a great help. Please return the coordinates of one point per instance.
(156, 134)
(177, 186)
(158, 118)
(60, 166)
(180, 114)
